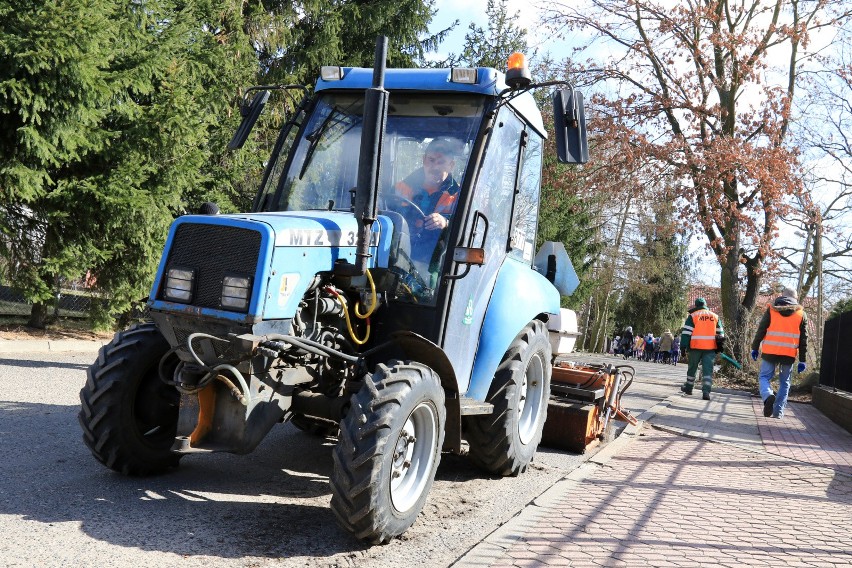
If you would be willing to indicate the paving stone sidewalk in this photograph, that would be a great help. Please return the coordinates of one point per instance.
(697, 485)
(806, 435)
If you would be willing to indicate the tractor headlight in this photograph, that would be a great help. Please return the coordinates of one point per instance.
(180, 283)
(236, 292)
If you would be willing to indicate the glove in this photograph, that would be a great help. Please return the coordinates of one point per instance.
(801, 367)
(754, 355)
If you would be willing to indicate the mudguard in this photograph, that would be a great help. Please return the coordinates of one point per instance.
(520, 295)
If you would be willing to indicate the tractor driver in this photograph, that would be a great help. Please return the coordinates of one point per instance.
(432, 187)
(434, 192)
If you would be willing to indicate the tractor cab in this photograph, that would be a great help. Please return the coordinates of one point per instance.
(425, 155)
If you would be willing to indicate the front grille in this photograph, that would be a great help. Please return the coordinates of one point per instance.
(213, 251)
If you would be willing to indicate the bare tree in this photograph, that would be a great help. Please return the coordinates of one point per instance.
(824, 130)
(704, 88)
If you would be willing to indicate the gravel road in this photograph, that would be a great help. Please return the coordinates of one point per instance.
(59, 507)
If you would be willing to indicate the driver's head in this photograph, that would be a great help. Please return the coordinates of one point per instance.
(438, 161)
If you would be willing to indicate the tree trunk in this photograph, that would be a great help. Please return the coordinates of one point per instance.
(38, 316)
(737, 309)
(601, 327)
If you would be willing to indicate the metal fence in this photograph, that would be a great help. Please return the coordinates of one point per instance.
(71, 303)
(836, 361)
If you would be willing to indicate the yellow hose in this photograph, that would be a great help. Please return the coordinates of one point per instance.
(355, 339)
(373, 302)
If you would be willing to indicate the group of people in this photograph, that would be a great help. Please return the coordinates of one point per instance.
(656, 349)
(781, 337)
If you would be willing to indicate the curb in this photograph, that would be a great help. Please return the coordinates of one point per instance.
(513, 530)
(13, 347)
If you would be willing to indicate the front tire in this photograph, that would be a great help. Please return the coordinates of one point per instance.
(388, 451)
(505, 441)
(128, 415)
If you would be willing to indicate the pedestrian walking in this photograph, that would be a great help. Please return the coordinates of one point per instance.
(666, 341)
(649, 347)
(639, 347)
(627, 341)
(701, 338)
(781, 335)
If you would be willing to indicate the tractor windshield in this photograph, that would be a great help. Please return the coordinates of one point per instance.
(325, 161)
(428, 139)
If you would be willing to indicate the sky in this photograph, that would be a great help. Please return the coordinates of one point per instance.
(467, 11)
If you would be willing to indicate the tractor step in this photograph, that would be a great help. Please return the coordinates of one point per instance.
(471, 407)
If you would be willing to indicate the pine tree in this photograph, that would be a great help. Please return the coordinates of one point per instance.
(109, 108)
(294, 39)
(116, 116)
(655, 292)
(491, 47)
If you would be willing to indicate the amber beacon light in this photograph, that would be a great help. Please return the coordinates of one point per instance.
(518, 74)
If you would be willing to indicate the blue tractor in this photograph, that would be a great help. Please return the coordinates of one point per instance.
(383, 289)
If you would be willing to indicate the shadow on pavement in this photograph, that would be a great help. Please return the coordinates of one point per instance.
(273, 503)
(31, 364)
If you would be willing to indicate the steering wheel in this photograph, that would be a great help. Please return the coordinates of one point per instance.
(408, 209)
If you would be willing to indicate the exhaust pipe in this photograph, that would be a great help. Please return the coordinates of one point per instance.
(369, 165)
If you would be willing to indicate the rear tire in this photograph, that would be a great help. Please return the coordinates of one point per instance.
(504, 442)
(128, 415)
(388, 450)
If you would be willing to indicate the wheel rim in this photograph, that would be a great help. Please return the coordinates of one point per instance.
(531, 398)
(413, 456)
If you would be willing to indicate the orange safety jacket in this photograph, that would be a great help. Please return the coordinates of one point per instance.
(704, 333)
(782, 335)
(445, 205)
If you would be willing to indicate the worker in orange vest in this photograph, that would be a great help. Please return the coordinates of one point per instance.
(701, 338)
(430, 196)
(781, 336)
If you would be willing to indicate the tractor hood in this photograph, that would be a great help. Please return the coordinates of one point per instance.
(279, 253)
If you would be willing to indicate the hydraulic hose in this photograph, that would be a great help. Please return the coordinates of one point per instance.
(354, 337)
(304, 343)
(245, 396)
(374, 300)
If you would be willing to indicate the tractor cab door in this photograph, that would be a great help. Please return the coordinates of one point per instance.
(501, 219)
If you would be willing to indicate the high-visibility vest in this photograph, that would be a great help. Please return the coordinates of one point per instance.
(704, 332)
(445, 203)
(782, 335)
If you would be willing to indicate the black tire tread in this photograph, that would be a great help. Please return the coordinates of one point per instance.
(489, 437)
(101, 395)
(356, 500)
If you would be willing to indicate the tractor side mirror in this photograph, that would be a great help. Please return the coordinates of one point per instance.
(250, 113)
(569, 121)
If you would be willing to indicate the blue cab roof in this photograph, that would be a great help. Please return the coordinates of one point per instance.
(489, 82)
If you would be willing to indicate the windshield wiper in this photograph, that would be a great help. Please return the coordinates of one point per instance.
(336, 115)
